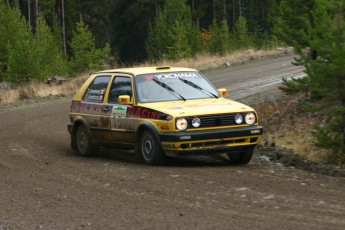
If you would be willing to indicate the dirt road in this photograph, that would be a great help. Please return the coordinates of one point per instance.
(45, 185)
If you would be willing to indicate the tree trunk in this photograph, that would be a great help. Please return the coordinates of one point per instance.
(239, 7)
(29, 13)
(224, 9)
(36, 12)
(214, 9)
(233, 12)
(63, 27)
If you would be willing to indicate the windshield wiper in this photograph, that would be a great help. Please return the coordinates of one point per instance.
(198, 87)
(171, 90)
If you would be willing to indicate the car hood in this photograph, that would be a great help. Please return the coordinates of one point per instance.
(199, 107)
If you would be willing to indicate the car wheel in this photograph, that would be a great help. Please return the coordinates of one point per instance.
(242, 157)
(149, 149)
(84, 142)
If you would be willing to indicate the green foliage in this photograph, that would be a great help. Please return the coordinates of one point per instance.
(164, 29)
(23, 56)
(85, 55)
(173, 34)
(26, 56)
(295, 85)
(157, 40)
(51, 61)
(19, 54)
(12, 26)
(291, 21)
(242, 39)
(220, 41)
(317, 32)
(179, 42)
(327, 71)
(331, 135)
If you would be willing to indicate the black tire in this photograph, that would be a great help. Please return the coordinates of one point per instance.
(83, 142)
(241, 157)
(149, 150)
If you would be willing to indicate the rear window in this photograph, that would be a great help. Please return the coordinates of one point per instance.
(96, 90)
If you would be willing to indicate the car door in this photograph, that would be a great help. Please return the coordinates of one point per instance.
(93, 108)
(122, 127)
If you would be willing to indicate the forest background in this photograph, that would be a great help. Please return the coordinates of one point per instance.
(46, 38)
(41, 38)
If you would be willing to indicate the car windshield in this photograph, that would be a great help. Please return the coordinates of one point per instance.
(172, 86)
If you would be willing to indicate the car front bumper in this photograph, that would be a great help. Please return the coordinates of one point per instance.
(215, 141)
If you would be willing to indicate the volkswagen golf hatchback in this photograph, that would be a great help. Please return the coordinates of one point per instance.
(161, 112)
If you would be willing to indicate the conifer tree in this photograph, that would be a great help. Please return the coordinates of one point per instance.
(316, 30)
(51, 57)
(220, 41)
(327, 71)
(158, 40)
(82, 45)
(242, 39)
(179, 42)
(172, 31)
(85, 54)
(19, 47)
(291, 20)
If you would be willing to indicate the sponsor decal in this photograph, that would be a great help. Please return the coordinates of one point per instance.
(93, 97)
(95, 94)
(94, 91)
(145, 113)
(164, 76)
(92, 108)
(119, 111)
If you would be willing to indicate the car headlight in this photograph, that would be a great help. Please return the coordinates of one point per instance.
(196, 122)
(238, 119)
(250, 118)
(181, 124)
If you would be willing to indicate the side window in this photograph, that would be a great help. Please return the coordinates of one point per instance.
(96, 90)
(120, 86)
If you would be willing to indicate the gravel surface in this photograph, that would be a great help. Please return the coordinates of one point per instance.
(45, 185)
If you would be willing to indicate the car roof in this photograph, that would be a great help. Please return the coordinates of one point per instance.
(146, 70)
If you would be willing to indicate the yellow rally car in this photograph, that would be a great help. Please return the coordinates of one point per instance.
(161, 112)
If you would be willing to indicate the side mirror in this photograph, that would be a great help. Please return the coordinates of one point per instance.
(222, 92)
(124, 99)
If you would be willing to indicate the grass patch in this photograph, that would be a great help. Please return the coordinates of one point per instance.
(288, 125)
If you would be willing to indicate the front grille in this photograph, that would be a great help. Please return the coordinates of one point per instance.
(215, 120)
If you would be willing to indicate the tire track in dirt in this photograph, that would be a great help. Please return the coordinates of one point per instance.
(45, 185)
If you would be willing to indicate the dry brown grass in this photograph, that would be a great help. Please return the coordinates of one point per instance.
(201, 62)
(289, 126)
(36, 89)
(205, 61)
